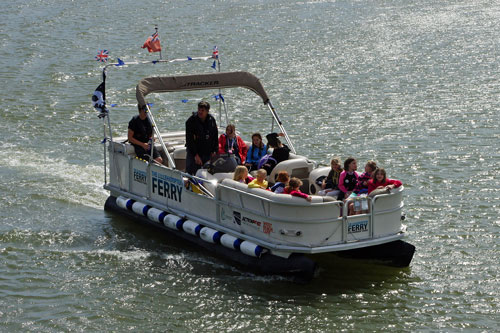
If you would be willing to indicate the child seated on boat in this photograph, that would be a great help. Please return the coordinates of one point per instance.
(260, 181)
(293, 189)
(380, 181)
(330, 185)
(256, 152)
(282, 181)
(348, 178)
(241, 175)
(362, 185)
(361, 189)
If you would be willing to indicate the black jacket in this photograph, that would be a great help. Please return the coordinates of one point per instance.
(201, 136)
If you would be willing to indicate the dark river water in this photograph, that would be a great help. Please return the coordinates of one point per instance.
(413, 85)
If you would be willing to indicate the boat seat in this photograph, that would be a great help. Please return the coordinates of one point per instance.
(128, 149)
(180, 153)
(203, 173)
(298, 167)
(212, 179)
(315, 174)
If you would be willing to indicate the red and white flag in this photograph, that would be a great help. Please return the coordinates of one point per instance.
(153, 43)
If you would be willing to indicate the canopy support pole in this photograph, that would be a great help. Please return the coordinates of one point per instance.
(157, 132)
(280, 125)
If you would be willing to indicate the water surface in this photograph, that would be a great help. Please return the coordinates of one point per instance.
(412, 85)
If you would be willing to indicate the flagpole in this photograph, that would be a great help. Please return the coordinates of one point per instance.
(156, 29)
(220, 99)
(223, 100)
(104, 128)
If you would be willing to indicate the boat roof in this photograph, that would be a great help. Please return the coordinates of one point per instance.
(199, 82)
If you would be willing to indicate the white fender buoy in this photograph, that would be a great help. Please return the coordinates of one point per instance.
(230, 242)
(140, 208)
(191, 227)
(124, 202)
(251, 249)
(173, 222)
(154, 214)
(210, 235)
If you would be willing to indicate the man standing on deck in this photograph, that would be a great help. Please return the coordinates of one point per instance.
(201, 138)
(140, 131)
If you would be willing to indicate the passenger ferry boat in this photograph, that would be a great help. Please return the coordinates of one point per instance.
(266, 232)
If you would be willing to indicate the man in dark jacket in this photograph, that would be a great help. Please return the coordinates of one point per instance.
(140, 131)
(201, 138)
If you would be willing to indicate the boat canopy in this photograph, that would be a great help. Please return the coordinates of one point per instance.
(199, 82)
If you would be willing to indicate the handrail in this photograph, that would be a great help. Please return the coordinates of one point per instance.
(277, 202)
(158, 134)
(345, 215)
(258, 213)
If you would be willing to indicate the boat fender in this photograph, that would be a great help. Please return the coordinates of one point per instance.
(251, 249)
(210, 235)
(140, 208)
(230, 241)
(173, 222)
(156, 215)
(124, 202)
(192, 227)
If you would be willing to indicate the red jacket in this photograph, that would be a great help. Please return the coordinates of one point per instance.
(295, 193)
(373, 185)
(242, 147)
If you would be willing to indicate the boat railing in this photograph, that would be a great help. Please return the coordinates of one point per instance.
(373, 212)
(266, 204)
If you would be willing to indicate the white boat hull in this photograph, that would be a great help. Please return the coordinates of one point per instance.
(280, 224)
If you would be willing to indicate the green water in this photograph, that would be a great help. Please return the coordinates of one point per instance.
(412, 85)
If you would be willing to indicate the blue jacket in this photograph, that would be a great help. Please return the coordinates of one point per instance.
(255, 154)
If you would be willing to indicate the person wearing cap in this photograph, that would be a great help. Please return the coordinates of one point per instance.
(281, 152)
(140, 131)
(201, 138)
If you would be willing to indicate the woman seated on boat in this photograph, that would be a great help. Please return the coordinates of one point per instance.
(241, 175)
(348, 178)
(380, 181)
(260, 181)
(293, 189)
(281, 152)
(330, 185)
(230, 143)
(256, 152)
